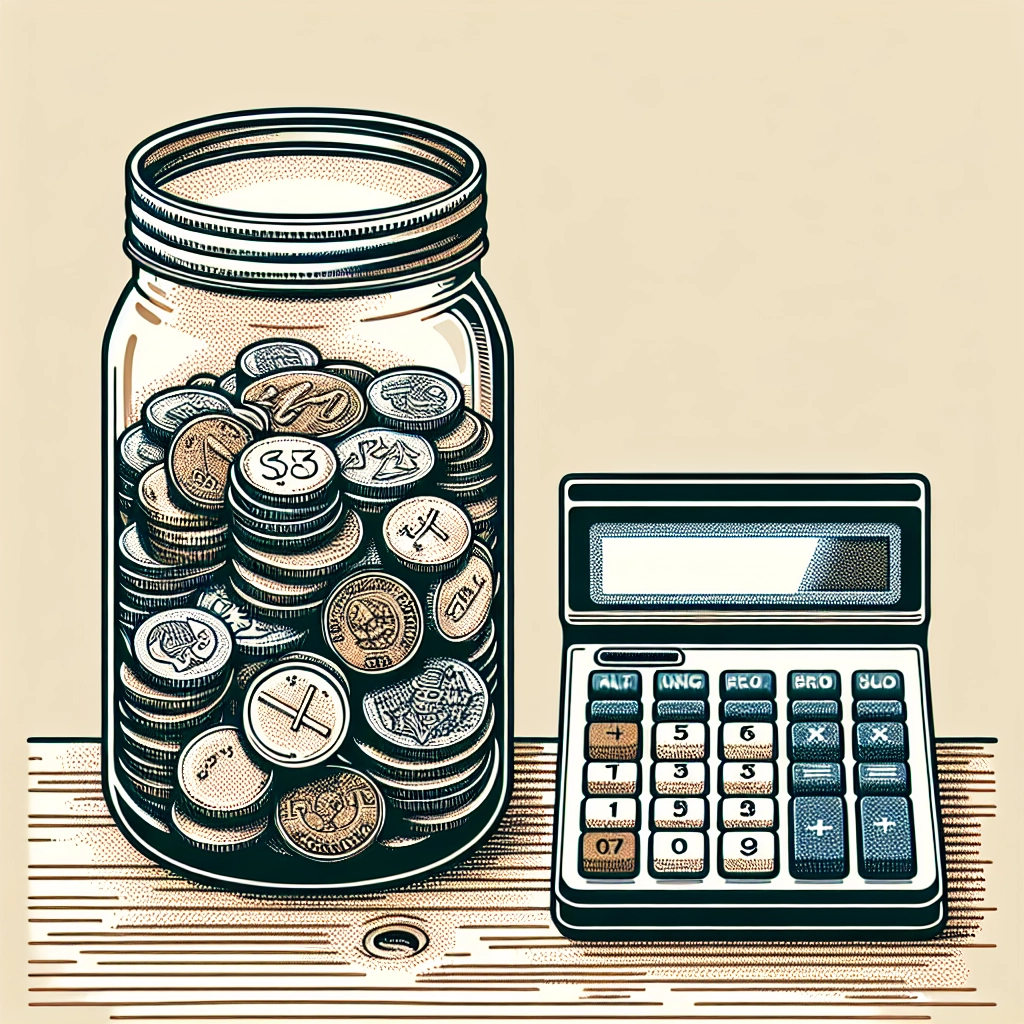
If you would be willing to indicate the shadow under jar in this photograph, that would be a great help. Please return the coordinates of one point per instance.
(307, 535)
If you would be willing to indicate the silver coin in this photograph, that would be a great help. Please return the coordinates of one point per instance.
(451, 799)
(168, 410)
(256, 417)
(218, 779)
(415, 399)
(229, 383)
(155, 789)
(273, 354)
(293, 527)
(217, 839)
(155, 602)
(290, 542)
(162, 771)
(162, 749)
(427, 534)
(287, 469)
(254, 637)
(368, 506)
(432, 787)
(383, 463)
(295, 715)
(183, 648)
(137, 453)
(432, 715)
(447, 820)
(465, 491)
(267, 512)
(130, 616)
(330, 667)
(273, 612)
(202, 380)
(189, 581)
(274, 591)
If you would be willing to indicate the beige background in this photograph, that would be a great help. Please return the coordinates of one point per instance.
(726, 236)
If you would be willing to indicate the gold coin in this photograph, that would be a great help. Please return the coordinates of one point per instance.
(427, 534)
(459, 606)
(308, 402)
(159, 507)
(331, 818)
(373, 622)
(200, 457)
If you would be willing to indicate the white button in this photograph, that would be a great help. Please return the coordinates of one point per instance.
(682, 777)
(686, 741)
(742, 778)
(612, 778)
(748, 741)
(748, 812)
(748, 853)
(616, 813)
(679, 812)
(679, 853)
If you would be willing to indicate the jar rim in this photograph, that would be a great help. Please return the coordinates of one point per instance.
(200, 243)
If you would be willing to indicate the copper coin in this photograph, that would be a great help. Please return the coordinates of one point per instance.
(308, 402)
(217, 838)
(427, 534)
(373, 622)
(200, 456)
(218, 778)
(458, 607)
(160, 508)
(276, 591)
(462, 439)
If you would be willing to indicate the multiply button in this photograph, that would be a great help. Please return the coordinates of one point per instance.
(879, 741)
(748, 684)
(815, 741)
(609, 685)
(619, 778)
(613, 741)
(818, 837)
(886, 837)
(681, 685)
(888, 685)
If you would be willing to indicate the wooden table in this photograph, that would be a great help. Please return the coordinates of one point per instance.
(114, 936)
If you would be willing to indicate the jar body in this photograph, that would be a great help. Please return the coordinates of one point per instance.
(165, 334)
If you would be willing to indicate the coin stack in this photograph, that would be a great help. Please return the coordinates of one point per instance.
(136, 453)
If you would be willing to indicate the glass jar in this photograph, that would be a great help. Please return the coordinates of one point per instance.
(307, 516)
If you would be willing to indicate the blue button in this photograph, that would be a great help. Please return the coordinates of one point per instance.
(813, 710)
(813, 684)
(818, 837)
(613, 711)
(880, 685)
(748, 684)
(614, 684)
(878, 710)
(824, 778)
(880, 741)
(748, 711)
(883, 780)
(886, 837)
(681, 711)
(815, 741)
(681, 684)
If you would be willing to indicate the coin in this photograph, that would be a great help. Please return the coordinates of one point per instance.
(160, 508)
(217, 839)
(431, 715)
(199, 458)
(450, 798)
(370, 506)
(229, 383)
(427, 534)
(301, 527)
(314, 563)
(453, 819)
(485, 645)
(163, 771)
(256, 417)
(273, 354)
(137, 691)
(415, 399)
(150, 602)
(287, 470)
(273, 612)
(155, 789)
(130, 616)
(184, 648)
(168, 410)
(295, 714)
(254, 637)
(175, 537)
(483, 513)
(162, 749)
(458, 607)
(308, 402)
(218, 778)
(194, 577)
(458, 442)
(276, 591)
(373, 622)
(269, 511)
(331, 818)
(357, 373)
(151, 720)
(479, 456)
(192, 558)
(430, 788)
(137, 453)
(202, 380)
(328, 666)
(383, 463)
(467, 490)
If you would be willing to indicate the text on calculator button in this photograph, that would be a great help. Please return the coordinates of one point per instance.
(616, 812)
(748, 741)
(615, 778)
(683, 685)
(609, 685)
(681, 778)
(748, 854)
(613, 741)
(679, 812)
(880, 741)
(680, 741)
(813, 684)
(888, 685)
(748, 684)
(748, 778)
(608, 854)
(815, 741)
(679, 854)
(747, 812)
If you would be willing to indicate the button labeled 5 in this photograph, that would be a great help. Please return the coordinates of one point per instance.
(685, 741)
(748, 778)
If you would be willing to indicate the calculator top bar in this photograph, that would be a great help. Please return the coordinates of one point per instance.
(656, 549)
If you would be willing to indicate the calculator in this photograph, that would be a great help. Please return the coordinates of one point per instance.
(746, 745)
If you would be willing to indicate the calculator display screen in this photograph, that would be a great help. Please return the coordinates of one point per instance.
(846, 564)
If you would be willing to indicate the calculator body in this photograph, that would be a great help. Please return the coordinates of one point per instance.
(746, 744)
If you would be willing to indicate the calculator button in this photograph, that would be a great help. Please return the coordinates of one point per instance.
(613, 741)
(748, 711)
(679, 854)
(679, 812)
(823, 778)
(888, 685)
(693, 685)
(748, 778)
(813, 710)
(886, 837)
(815, 741)
(817, 835)
(684, 741)
(879, 741)
(748, 741)
(613, 710)
(879, 711)
(747, 812)
(614, 684)
(749, 854)
(748, 684)
(883, 780)
(673, 778)
(619, 812)
(619, 778)
(681, 711)
(608, 854)
(813, 685)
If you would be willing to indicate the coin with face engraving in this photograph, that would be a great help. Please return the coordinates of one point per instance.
(458, 606)
(383, 463)
(432, 715)
(427, 534)
(295, 714)
(167, 410)
(287, 470)
(308, 402)
(461, 439)
(183, 648)
(136, 454)
(272, 355)
(254, 637)
(331, 818)
(218, 838)
(200, 457)
(373, 622)
(218, 778)
(418, 400)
